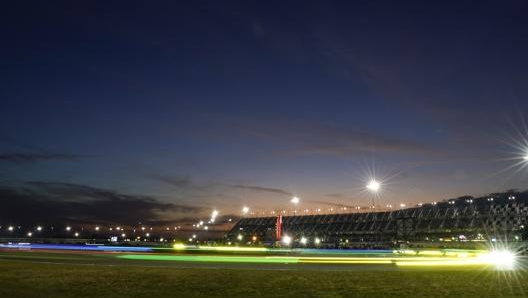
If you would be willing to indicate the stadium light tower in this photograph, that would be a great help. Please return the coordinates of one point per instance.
(295, 200)
(245, 210)
(214, 214)
(286, 240)
(373, 185)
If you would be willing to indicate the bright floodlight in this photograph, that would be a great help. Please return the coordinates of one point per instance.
(245, 210)
(213, 216)
(502, 259)
(286, 240)
(373, 185)
(304, 241)
(295, 200)
(525, 157)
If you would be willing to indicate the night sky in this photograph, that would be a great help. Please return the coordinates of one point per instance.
(165, 110)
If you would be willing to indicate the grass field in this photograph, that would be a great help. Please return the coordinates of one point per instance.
(23, 278)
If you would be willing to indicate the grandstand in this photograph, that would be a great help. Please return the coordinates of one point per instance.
(501, 216)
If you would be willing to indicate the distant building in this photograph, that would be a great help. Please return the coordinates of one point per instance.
(498, 217)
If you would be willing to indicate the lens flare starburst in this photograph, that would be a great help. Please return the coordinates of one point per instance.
(516, 156)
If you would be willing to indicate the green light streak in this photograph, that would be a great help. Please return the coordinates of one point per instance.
(215, 259)
(428, 259)
(293, 260)
(235, 249)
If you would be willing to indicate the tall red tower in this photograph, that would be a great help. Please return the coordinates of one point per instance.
(279, 227)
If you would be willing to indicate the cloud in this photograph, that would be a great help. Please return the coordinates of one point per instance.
(330, 204)
(18, 151)
(341, 141)
(458, 94)
(19, 157)
(210, 192)
(429, 72)
(334, 195)
(314, 138)
(44, 202)
(178, 181)
(211, 189)
(262, 189)
(187, 187)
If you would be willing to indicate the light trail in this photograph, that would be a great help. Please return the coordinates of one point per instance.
(214, 259)
(500, 259)
(21, 246)
(477, 259)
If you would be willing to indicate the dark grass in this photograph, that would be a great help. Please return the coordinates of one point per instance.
(26, 278)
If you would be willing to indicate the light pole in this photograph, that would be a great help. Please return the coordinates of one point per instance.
(374, 187)
(295, 200)
(245, 210)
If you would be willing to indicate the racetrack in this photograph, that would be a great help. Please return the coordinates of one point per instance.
(115, 259)
(71, 273)
(344, 261)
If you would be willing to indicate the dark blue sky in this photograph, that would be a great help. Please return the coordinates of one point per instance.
(211, 104)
